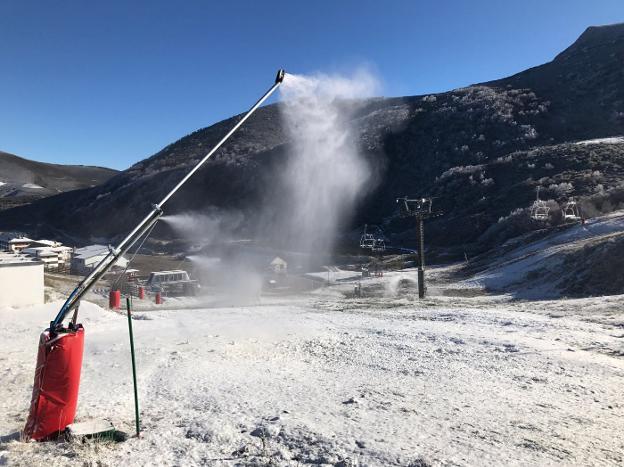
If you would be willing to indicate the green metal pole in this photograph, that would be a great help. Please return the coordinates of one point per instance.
(134, 379)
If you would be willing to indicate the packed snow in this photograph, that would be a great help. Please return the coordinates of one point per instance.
(611, 140)
(513, 266)
(324, 378)
(32, 186)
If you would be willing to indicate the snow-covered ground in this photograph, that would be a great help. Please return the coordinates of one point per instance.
(512, 267)
(460, 378)
(611, 140)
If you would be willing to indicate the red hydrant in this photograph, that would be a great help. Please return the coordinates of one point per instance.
(158, 298)
(141, 293)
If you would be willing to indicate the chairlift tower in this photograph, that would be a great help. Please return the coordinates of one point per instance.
(420, 209)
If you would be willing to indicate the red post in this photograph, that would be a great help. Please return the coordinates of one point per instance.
(114, 299)
(158, 298)
(141, 293)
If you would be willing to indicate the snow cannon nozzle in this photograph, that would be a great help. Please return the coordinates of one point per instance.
(280, 76)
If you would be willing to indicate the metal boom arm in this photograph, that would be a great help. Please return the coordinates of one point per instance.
(149, 220)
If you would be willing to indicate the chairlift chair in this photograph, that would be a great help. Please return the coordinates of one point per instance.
(379, 245)
(571, 211)
(540, 210)
(373, 242)
(367, 240)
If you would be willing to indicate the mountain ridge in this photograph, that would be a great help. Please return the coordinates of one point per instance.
(23, 180)
(410, 142)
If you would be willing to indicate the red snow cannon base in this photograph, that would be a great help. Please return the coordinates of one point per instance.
(57, 378)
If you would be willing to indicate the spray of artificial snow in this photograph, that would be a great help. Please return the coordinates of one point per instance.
(236, 283)
(320, 183)
(232, 279)
(205, 228)
(325, 175)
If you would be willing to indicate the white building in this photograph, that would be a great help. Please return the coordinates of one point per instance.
(21, 280)
(54, 258)
(53, 255)
(6, 237)
(278, 265)
(85, 259)
(16, 242)
(50, 243)
(15, 245)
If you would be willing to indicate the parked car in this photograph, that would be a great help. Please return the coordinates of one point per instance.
(176, 282)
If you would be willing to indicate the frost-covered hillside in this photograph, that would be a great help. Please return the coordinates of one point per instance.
(580, 259)
(481, 151)
(23, 181)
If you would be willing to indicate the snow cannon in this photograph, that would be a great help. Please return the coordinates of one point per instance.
(59, 358)
(280, 76)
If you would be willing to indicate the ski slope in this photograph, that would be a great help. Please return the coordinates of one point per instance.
(323, 379)
(512, 267)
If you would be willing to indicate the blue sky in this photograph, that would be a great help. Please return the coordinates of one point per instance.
(110, 83)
